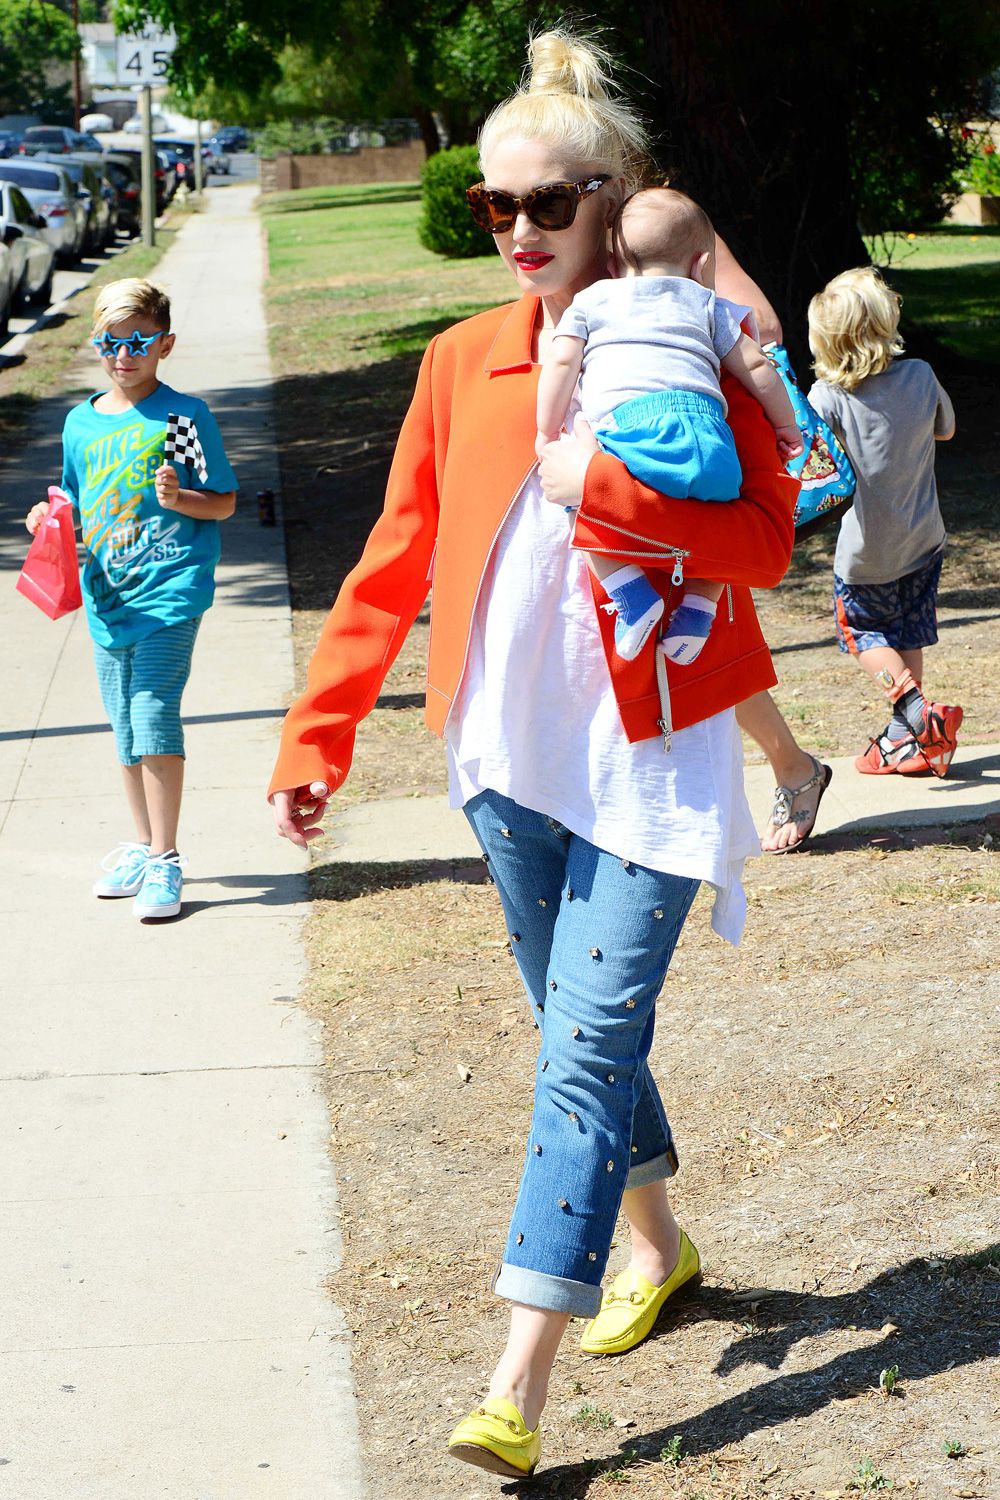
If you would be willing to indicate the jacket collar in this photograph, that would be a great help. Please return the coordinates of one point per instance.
(511, 348)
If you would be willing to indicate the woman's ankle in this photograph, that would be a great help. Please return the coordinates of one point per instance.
(521, 1391)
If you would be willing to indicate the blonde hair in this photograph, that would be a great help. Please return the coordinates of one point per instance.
(854, 327)
(131, 298)
(568, 99)
(660, 226)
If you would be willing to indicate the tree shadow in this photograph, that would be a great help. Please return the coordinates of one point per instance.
(935, 1314)
(346, 881)
(967, 831)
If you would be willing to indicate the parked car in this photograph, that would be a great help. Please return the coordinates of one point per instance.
(182, 155)
(55, 140)
(6, 290)
(165, 172)
(133, 125)
(125, 175)
(52, 193)
(9, 142)
(233, 138)
(96, 124)
(33, 259)
(216, 159)
(109, 192)
(100, 230)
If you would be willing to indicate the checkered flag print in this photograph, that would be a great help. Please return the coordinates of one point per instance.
(184, 445)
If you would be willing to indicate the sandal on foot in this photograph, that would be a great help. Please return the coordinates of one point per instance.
(804, 818)
(495, 1437)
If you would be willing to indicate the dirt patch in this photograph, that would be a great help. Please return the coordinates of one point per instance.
(831, 1085)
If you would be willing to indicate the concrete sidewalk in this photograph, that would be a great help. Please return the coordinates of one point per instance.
(168, 1203)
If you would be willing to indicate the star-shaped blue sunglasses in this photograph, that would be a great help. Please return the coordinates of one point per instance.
(135, 344)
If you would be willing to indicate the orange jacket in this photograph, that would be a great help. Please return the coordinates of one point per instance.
(465, 448)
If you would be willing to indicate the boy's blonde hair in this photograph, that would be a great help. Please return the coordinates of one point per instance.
(568, 100)
(660, 226)
(131, 298)
(854, 327)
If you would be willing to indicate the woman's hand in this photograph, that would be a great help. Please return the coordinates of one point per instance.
(298, 812)
(167, 485)
(563, 465)
(36, 515)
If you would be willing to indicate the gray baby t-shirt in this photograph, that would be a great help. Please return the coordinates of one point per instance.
(649, 333)
(888, 425)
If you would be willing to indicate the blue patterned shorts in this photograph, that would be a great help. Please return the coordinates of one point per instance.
(141, 686)
(902, 614)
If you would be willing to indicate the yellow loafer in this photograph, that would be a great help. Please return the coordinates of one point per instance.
(631, 1305)
(494, 1437)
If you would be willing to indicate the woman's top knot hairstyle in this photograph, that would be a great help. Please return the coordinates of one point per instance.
(568, 99)
(854, 327)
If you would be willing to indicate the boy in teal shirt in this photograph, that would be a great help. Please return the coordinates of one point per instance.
(148, 475)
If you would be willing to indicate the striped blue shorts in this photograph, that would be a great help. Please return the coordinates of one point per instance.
(141, 686)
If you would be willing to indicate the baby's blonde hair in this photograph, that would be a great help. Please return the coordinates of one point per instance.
(130, 298)
(854, 327)
(568, 100)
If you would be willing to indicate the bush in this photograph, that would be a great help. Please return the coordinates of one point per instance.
(446, 226)
(982, 169)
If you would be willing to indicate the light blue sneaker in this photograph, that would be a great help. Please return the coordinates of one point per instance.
(124, 867)
(160, 893)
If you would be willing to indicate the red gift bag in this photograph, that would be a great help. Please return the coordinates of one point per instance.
(50, 577)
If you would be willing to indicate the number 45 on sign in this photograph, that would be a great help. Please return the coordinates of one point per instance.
(144, 56)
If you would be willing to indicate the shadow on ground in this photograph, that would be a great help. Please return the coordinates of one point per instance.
(935, 1315)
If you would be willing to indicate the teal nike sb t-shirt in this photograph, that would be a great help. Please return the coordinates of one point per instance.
(144, 567)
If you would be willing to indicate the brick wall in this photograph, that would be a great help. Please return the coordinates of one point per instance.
(369, 164)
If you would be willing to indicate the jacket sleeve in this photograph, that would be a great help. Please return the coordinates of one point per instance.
(378, 602)
(746, 541)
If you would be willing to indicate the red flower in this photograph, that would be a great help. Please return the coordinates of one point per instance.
(989, 149)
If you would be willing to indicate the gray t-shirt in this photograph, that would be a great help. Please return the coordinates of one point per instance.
(887, 424)
(646, 334)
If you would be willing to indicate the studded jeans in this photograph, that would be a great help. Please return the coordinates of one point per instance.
(593, 937)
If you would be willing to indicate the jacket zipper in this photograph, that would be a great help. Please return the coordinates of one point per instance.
(729, 596)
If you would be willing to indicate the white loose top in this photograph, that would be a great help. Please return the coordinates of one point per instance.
(535, 718)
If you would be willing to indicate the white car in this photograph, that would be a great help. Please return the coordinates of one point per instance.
(133, 126)
(33, 258)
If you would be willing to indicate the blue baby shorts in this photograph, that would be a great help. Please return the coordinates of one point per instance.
(677, 442)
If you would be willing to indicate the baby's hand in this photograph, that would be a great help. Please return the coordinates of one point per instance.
(36, 515)
(167, 485)
(789, 442)
(542, 441)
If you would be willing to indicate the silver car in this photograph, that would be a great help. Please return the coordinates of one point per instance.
(51, 193)
(22, 230)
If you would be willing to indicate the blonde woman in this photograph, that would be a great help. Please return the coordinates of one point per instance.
(596, 838)
(890, 412)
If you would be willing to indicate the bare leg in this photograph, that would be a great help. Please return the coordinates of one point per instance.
(163, 783)
(887, 659)
(656, 1235)
(761, 719)
(136, 796)
(522, 1376)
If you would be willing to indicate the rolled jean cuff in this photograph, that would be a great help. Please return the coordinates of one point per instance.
(656, 1170)
(553, 1293)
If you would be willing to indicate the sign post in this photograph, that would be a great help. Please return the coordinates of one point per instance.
(148, 168)
(143, 59)
(199, 168)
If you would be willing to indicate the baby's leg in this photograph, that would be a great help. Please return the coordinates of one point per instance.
(691, 621)
(634, 599)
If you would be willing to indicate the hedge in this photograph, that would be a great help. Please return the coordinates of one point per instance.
(446, 226)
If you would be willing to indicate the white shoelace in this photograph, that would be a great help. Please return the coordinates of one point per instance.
(156, 871)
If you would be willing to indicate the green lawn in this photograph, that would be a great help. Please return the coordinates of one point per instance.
(949, 280)
(351, 284)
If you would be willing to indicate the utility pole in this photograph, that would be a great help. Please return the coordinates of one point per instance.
(148, 167)
(77, 90)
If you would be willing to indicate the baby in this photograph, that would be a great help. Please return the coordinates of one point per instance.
(650, 346)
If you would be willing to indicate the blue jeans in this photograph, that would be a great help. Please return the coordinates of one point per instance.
(593, 936)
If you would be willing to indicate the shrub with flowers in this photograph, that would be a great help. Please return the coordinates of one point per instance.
(982, 169)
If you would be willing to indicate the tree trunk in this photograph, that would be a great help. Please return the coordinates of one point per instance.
(428, 129)
(751, 110)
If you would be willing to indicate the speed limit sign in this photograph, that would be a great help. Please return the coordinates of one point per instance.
(144, 56)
